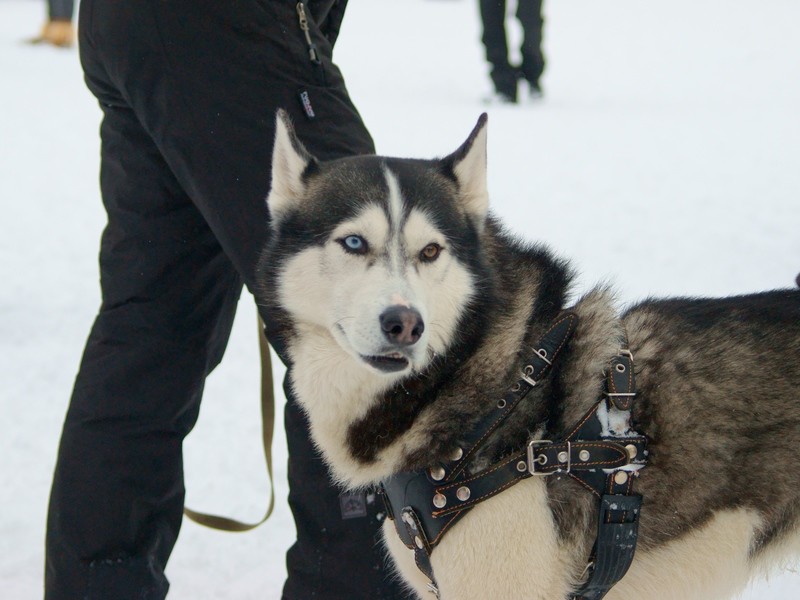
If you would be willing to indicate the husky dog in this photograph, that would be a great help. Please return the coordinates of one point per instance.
(407, 310)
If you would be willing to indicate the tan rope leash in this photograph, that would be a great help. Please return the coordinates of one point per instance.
(267, 428)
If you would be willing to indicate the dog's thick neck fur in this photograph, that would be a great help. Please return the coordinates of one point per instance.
(423, 419)
(419, 421)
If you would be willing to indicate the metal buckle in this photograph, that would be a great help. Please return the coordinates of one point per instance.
(434, 589)
(526, 373)
(542, 353)
(589, 565)
(569, 459)
(542, 460)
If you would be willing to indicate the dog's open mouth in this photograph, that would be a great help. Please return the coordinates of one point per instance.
(388, 363)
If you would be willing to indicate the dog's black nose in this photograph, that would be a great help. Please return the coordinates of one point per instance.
(401, 325)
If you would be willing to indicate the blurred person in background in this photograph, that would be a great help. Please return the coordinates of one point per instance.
(58, 30)
(505, 76)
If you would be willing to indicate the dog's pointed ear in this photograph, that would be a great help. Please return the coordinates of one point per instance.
(290, 163)
(468, 165)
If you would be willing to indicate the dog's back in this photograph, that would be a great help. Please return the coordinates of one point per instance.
(719, 389)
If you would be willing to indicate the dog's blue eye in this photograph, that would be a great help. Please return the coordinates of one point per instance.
(354, 243)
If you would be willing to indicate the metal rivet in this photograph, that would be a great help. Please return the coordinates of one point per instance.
(457, 454)
(562, 457)
(632, 451)
(439, 500)
(437, 473)
(620, 368)
(584, 455)
(501, 403)
(522, 466)
(418, 542)
(463, 493)
(516, 387)
(621, 477)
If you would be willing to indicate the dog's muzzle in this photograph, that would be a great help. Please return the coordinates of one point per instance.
(402, 328)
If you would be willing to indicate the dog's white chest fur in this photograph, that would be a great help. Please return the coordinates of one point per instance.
(484, 554)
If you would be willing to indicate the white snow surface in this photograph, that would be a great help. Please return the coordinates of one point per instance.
(665, 159)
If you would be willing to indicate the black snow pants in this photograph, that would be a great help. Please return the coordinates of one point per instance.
(189, 90)
(495, 41)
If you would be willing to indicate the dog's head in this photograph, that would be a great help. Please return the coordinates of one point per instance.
(380, 254)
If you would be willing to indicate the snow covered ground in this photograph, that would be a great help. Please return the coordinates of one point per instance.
(677, 122)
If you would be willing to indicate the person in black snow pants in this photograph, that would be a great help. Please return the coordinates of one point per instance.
(505, 76)
(189, 90)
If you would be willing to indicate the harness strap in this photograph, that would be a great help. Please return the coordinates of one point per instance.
(617, 533)
(539, 363)
(422, 547)
(538, 459)
(619, 507)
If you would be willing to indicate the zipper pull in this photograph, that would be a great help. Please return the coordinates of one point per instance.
(312, 47)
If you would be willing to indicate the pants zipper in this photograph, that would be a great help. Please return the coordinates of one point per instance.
(313, 54)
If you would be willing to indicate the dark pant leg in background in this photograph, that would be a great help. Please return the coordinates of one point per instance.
(190, 91)
(495, 42)
(60, 10)
(529, 14)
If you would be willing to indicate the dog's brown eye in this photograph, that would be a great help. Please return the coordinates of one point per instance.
(430, 252)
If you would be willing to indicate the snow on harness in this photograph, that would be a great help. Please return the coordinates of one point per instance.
(602, 452)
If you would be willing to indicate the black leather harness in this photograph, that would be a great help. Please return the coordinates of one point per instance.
(604, 459)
